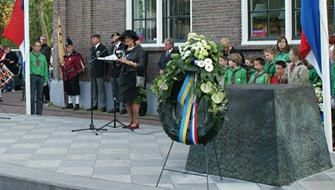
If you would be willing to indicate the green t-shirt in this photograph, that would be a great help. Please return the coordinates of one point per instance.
(282, 56)
(270, 68)
(237, 76)
(40, 68)
(332, 76)
(314, 78)
(261, 78)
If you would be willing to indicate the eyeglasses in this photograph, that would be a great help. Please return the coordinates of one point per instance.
(279, 68)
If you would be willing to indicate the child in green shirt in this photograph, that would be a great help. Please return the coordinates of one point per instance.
(236, 74)
(270, 66)
(260, 77)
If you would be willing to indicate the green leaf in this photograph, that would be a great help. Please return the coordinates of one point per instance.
(190, 68)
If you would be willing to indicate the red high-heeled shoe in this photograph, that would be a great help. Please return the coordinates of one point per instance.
(127, 126)
(134, 126)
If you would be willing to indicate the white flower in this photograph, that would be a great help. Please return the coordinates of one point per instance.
(206, 87)
(200, 63)
(191, 35)
(209, 67)
(208, 61)
(217, 97)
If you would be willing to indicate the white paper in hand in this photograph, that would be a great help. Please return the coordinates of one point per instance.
(109, 58)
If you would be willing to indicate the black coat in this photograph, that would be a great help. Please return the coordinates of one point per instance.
(46, 51)
(98, 66)
(13, 67)
(233, 50)
(163, 60)
(114, 67)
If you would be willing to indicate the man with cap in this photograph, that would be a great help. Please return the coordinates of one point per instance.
(73, 65)
(97, 73)
(117, 49)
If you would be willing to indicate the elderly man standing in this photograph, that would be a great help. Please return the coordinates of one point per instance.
(97, 73)
(166, 55)
(228, 49)
(46, 51)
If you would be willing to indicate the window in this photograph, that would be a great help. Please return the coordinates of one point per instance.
(176, 19)
(296, 19)
(267, 19)
(156, 20)
(144, 19)
(331, 21)
(264, 20)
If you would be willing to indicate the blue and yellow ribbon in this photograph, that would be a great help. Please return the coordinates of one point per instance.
(187, 98)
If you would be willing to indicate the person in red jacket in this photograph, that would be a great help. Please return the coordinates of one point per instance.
(72, 67)
(280, 72)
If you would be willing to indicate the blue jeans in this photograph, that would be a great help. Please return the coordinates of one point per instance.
(36, 87)
(10, 85)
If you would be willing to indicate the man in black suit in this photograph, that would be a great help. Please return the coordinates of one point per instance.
(46, 51)
(117, 49)
(166, 55)
(228, 49)
(97, 73)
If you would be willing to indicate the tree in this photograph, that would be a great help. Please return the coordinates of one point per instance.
(40, 19)
(6, 7)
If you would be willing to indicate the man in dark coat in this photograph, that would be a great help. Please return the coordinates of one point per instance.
(166, 55)
(97, 73)
(46, 51)
(117, 49)
(11, 60)
(228, 49)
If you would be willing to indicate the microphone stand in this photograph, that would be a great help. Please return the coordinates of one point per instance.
(92, 127)
(114, 100)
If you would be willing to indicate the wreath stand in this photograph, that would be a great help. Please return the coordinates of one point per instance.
(191, 173)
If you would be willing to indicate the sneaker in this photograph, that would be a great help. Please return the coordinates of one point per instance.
(13, 90)
(123, 111)
(1, 100)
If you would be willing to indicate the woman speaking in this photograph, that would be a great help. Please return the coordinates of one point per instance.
(133, 65)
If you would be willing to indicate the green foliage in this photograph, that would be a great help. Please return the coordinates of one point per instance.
(36, 7)
(199, 56)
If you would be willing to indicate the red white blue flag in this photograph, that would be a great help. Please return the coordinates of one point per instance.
(15, 28)
(310, 47)
(314, 40)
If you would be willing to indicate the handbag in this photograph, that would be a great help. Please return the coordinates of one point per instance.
(140, 81)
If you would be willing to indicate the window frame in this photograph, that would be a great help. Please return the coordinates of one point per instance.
(245, 26)
(159, 19)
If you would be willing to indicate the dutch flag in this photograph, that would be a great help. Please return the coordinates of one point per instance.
(315, 48)
(15, 28)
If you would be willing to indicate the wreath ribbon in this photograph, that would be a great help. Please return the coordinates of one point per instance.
(187, 98)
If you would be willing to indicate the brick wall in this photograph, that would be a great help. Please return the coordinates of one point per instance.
(80, 19)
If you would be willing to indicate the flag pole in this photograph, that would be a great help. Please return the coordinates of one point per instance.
(61, 55)
(325, 74)
(27, 56)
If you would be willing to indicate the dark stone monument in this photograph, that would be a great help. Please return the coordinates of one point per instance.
(274, 136)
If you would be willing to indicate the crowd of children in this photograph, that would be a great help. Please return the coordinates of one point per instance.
(281, 65)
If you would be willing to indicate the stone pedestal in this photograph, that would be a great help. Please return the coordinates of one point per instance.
(274, 136)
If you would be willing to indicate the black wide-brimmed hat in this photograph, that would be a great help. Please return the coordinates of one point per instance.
(68, 42)
(129, 33)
